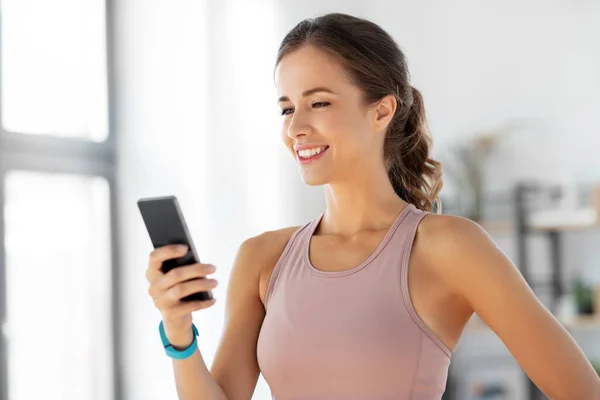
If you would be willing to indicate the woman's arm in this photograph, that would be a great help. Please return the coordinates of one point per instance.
(192, 377)
(468, 260)
(235, 366)
(235, 369)
(194, 381)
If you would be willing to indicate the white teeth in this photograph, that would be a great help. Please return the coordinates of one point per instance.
(310, 152)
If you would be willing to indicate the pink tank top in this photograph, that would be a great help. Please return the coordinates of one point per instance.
(351, 334)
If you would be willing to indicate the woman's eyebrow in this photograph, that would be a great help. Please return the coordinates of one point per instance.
(309, 92)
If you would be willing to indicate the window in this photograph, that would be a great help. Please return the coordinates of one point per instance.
(54, 68)
(57, 247)
(57, 189)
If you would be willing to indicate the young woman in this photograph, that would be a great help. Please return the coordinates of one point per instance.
(368, 300)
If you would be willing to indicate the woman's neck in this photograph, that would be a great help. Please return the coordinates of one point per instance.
(358, 206)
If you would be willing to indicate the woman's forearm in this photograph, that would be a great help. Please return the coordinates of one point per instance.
(194, 380)
(192, 377)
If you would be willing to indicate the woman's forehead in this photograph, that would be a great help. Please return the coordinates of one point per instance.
(306, 68)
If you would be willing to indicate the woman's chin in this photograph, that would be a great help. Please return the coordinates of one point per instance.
(313, 179)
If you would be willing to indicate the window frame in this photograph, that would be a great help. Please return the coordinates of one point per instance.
(50, 154)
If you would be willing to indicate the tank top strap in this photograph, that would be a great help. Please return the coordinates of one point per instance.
(408, 235)
(292, 251)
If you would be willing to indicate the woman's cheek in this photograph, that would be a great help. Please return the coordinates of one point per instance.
(287, 140)
(284, 130)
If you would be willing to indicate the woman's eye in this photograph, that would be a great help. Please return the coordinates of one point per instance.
(317, 104)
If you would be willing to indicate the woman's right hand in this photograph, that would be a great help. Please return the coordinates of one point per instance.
(168, 289)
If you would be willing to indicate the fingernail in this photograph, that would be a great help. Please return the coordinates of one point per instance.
(182, 248)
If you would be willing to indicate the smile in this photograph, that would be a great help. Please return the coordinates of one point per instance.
(309, 155)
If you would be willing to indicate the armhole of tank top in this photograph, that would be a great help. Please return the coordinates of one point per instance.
(405, 289)
(280, 261)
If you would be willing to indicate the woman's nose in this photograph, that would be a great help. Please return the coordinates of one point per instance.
(299, 126)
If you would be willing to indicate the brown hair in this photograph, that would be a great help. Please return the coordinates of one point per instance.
(376, 64)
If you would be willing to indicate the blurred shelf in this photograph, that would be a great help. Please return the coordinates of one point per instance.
(584, 321)
(549, 221)
(564, 220)
(475, 324)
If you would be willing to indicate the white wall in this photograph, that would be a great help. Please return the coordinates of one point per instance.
(197, 117)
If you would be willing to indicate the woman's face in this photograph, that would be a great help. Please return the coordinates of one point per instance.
(325, 124)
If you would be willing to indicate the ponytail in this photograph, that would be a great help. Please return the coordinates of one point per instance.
(416, 178)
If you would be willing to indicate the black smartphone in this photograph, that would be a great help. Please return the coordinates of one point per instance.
(165, 224)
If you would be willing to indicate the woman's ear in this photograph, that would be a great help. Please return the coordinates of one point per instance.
(384, 112)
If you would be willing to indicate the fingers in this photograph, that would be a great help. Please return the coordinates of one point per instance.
(187, 307)
(168, 289)
(172, 296)
(182, 274)
(178, 275)
(160, 255)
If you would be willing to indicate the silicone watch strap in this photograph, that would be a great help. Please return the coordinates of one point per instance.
(171, 351)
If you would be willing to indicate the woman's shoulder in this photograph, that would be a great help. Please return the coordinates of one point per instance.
(448, 242)
(269, 243)
(265, 250)
(448, 229)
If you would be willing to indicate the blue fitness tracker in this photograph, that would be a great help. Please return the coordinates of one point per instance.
(172, 352)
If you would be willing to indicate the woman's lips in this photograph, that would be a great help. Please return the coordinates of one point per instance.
(311, 159)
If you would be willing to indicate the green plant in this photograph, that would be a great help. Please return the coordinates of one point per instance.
(596, 366)
(584, 298)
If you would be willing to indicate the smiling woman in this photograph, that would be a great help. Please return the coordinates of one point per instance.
(369, 299)
(353, 79)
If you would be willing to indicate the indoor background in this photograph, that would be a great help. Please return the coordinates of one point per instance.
(107, 101)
